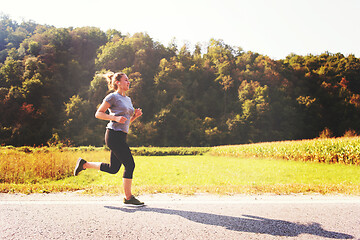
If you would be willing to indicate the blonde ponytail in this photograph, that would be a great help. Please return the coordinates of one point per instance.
(111, 79)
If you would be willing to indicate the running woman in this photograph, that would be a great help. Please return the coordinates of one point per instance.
(121, 114)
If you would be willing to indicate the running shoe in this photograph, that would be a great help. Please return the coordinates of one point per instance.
(133, 202)
(79, 166)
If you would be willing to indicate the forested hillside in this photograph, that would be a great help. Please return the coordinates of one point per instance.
(51, 85)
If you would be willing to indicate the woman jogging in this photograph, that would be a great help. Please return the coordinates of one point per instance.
(121, 114)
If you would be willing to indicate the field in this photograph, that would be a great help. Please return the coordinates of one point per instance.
(345, 150)
(325, 166)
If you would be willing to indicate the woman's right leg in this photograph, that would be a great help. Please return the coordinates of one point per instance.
(92, 165)
(112, 142)
(112, 168)
(114, 165)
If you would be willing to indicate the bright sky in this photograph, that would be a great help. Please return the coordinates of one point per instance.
(274, 28)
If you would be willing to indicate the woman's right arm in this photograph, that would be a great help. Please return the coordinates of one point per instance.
(101, 114)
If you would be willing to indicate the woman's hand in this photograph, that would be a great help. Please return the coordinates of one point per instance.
(120, 119)
(138, 112)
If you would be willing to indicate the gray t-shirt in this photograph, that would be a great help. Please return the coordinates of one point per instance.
(119, 106)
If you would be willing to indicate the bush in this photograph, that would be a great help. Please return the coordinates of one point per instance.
(326, 133)
(350, 133)
(165, 151)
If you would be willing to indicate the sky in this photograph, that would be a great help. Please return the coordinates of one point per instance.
(275, 28)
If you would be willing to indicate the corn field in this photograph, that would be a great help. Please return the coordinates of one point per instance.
(344, 150)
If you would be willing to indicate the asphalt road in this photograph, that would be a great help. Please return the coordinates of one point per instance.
(73, 216)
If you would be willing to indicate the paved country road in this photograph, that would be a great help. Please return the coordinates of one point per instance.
(74, 216)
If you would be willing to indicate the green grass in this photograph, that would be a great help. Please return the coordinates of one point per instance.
(224, 175)
(223, 170)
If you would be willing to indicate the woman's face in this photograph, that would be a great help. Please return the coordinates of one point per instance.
(124, 83)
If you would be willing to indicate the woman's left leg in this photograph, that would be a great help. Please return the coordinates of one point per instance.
(120, 151)
(127, 187)
(129, 164)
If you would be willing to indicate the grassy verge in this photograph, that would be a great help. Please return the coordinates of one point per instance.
(205, 173)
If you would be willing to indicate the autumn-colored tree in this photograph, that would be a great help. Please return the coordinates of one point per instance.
(51, 80)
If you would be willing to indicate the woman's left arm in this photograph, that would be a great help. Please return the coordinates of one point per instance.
(138, 113)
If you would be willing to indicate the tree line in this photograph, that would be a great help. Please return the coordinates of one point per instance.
(51, 84)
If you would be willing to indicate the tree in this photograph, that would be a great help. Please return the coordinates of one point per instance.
(51, 80)
(11, 73)
(80, 126)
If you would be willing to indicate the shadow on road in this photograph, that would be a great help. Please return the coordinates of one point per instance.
(246, 223)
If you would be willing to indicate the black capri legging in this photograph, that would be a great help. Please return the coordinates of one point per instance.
(120, 154)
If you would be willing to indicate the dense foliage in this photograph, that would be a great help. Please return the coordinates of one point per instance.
(51, 85)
